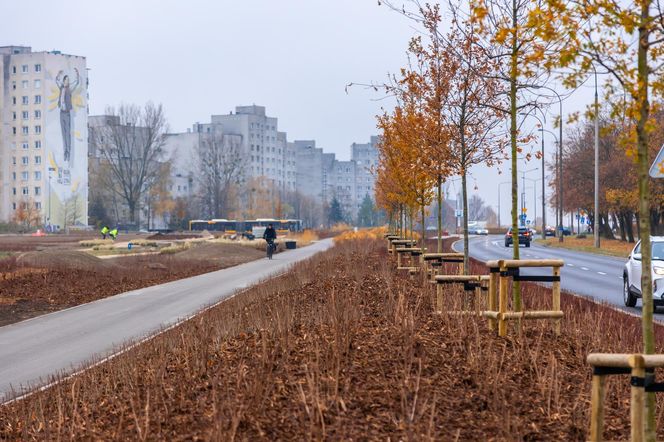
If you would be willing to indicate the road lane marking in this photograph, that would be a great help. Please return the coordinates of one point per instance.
(571, 265)
(585, 268)
(601, 273)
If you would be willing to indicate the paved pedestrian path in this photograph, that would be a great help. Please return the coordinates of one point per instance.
(63, 342)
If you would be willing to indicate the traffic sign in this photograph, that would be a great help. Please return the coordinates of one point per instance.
(458, 213)
(657, 168)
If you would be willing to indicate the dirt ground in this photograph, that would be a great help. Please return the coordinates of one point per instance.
(345, 348)
(38, 282)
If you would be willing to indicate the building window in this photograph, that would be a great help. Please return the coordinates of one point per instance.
(38, 205)
(24, 160)
(38, 159)
(37, 68)
(25, 84)
(37, 84)
(38, 129)
(37, 115)
(37, 191)
(37, 99)
(38, 144)
(14, 206)
(25, 130)
(24, 68)
(14, 190)
(26, 100)
(37, 176)
(25, 176)
(24, 145)
(14, 130)
(25, 115)
(25, 190)
(13, 85)
(13, 69)
(14, 101)
(13, 115)
(14, 161)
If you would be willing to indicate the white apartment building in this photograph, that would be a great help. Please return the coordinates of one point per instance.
(323, 177)
(43, 135)
(267, 154)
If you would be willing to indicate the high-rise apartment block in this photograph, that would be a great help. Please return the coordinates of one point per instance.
(43, 136)
(320, 175)
(266, 153)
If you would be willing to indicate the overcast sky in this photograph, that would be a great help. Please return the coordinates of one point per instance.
(203, 57)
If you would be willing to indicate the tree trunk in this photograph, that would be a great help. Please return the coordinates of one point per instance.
(439, 196)
(650, 431)
(464, 191)
(423, 240)
(516, 292)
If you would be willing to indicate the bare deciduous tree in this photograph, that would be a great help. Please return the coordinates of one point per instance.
(130, 144)
(220, 171)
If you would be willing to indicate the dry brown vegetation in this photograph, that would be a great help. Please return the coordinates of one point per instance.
(34, 283)
(343, 348)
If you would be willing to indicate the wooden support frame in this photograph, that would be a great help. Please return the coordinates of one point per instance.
(390, 238)
(501, 272)
(394, 243)
(432, 260)
(412, 252)
(636, 365)
(472, 283)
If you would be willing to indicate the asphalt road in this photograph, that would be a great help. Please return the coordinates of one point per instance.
(35, 350)
(588, 274)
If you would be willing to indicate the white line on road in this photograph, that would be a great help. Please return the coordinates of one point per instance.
(571, 265)
(585, 268)
(601, 273)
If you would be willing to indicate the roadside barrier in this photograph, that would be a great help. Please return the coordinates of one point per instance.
(431, 262)
(641, 367)
(473, 285)
(501, 272)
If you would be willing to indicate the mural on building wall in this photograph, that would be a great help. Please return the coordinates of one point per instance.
(66, 142)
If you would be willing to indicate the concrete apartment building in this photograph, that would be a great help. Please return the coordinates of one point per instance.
(43, 135)
(266, 152)
(321, 176)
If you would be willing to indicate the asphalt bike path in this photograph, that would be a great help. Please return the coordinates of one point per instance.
(32, 351)
(596, 276)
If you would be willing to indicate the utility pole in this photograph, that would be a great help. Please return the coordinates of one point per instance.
(596, 208)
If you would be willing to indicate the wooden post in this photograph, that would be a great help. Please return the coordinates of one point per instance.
(398, 259)
(637, 405)
(502, 302)
(478, 297)
(597, 408)
(439, 298)
(556, 299)
(493, 298)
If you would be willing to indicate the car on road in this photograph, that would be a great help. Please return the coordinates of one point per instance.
(478, 231)
(525, 236)
(550, 231)
(632, 273)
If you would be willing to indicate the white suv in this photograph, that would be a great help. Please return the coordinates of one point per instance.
(632, 273)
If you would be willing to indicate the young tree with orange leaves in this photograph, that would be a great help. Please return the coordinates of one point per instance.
(627, 40)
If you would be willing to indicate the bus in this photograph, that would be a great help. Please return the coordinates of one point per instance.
(283, 226)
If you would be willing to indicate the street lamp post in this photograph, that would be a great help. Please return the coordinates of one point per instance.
(523, 194)
(596, 208)
(560, 163)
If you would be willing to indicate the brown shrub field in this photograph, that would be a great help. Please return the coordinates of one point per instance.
(343, 347)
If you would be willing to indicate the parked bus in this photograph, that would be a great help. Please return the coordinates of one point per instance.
(283, 227)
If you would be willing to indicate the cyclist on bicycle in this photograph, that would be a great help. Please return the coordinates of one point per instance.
(270, 235)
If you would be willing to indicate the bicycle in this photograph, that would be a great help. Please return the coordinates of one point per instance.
(271, 248)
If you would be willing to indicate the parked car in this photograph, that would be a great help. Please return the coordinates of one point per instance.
(550, 231)
(632, 273)
(525, 236)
